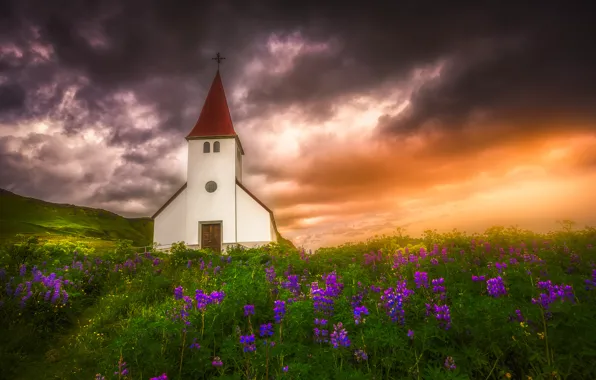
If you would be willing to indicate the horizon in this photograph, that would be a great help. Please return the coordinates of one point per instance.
(353, 126)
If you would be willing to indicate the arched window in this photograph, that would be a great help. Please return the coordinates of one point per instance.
(216, 147)
(206, 147)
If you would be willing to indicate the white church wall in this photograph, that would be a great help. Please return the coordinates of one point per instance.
(219, 205)
(169, 225)
(238, 164)
(254, 222)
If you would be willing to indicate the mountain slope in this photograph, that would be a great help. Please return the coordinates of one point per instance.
(23, 215)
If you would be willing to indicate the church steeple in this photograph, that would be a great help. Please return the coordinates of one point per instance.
(215, 119)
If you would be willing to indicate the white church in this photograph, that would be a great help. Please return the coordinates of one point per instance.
(213, 209)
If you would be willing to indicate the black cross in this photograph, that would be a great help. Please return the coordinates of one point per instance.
(218, 58)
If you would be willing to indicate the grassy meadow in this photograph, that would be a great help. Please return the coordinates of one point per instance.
(59, 223)
(505, 304)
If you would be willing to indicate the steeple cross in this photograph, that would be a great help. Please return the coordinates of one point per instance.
(218, 58)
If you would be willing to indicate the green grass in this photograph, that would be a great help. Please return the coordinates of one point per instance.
(126, 311)
(60, 222)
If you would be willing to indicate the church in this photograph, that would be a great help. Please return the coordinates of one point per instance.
(213, 209)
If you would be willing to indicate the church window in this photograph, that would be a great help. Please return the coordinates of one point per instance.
(216, 147)
(206, 147)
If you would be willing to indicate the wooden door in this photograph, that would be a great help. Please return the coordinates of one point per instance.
(211, 236)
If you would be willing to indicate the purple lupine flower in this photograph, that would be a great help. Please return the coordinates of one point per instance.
(450, 364)
(178, 293)
(438, 286)
(339, 336)
(248, 342)
(217, 362)
(266, 330)
(478, 278)
(421, 279)
(360, 355)
(99, 377)
(496, 287)
(321, 335)
(358, 312)
(411, 334)
(270, 274)
(285, 369)
(293, 284)
(553, 292)
(23, 270)
(194, 344)
(500, 266)
(189, 264)
(217, 296)
(202, 299)
(122, 370)
(163, 376)
(394, 301)
(249, 310)
(279, 310)
(443, 316)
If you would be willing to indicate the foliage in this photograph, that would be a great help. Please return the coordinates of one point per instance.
(507, 303)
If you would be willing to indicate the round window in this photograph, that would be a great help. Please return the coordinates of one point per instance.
(211, 186)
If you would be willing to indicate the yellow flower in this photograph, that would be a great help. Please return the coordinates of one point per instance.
(529, 378)
(508, 375)
(541, 335)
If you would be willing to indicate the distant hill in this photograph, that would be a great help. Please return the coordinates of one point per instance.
(23, 215)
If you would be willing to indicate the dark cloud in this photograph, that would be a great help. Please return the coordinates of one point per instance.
(514, 72)
(12, 97)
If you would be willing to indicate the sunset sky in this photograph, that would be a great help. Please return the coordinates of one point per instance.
(354, 120)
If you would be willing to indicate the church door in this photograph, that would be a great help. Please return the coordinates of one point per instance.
(211, 236)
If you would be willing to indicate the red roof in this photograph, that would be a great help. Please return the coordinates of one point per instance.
(215, 119)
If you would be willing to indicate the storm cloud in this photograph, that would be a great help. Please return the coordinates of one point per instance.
(419, 106)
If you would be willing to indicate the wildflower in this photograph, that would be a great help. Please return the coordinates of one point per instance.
(163, 376)
(266, 330)
(270, 274)
(285, 369)
(248, 342)
(421, 279)
(478, 278)
(23, 270)
(496, 287)
(394, 301)
(360, 355)
(358, 311)
(98, 376)
(178, 293)
(450, 363)
(508, 375)
(122, 370)
(249, 310)
(411, 334)
(553, 292)
(339, 337)
(217, 362)
(443, 315)
(217, 297)
(438, 286)
(279, 310)
(194, 344)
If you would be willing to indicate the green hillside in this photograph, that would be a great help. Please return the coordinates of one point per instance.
(29, 216)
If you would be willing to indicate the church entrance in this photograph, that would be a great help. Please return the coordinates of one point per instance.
(210, 236)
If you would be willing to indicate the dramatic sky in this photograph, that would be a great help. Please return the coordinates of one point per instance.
(354, 120)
